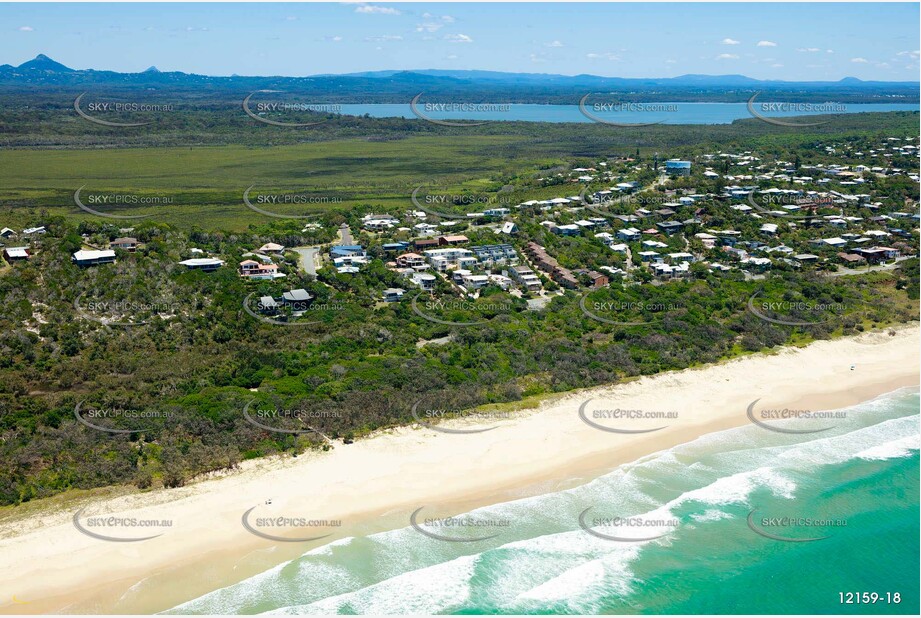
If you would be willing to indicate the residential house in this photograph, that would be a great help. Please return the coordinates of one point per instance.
(424, 243)
(669, 227)
(271, 247)
(127, 244)
(426, 281)
(443, 259)
(298, 300)
(206, 264)
(339, 251)
(526, 277)
(852, 259)
(596, 279)
(475, 282)
(267, 304)
(86, 257)
(566, 230)
(392, 295)
(251, 269)
(412, 260)
(495, 254)
(456, 239)
(548, 263)
(629, 234)
(668, 271)
(13, 254)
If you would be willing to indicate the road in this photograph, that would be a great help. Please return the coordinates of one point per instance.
(308, 260)
(345, 235)
(846, 272)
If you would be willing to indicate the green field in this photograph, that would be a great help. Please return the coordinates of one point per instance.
(205, 185)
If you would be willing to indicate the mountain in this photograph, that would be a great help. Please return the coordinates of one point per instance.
(393, 86)
(43, 63)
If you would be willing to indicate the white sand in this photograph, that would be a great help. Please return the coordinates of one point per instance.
(46, 565)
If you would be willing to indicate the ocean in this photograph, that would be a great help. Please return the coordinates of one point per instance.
(662, 113)
(747, 521)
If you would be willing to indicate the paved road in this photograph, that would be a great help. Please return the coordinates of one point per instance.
(346, 235)
(846, 272)
(308, 259)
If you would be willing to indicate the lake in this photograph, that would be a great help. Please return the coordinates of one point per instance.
(664, 112)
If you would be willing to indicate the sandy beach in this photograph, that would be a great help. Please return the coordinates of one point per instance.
(47, 565)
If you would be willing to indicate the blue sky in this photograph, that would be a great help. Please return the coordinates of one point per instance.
(820, 41)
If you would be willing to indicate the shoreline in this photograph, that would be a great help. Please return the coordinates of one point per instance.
(374, 484)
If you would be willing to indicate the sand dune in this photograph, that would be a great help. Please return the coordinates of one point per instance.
(47, 565)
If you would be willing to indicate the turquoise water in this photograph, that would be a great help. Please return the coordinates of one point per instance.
(679, 113)
(863, 475)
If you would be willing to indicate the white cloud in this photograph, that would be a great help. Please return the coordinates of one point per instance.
(910, 54)
(375, 10)
(26, 29)
(810, 50)
(537, 58)
(728, 41)
(555, 44)
(670, 61)
(829, 51)
(727, 57)
(860, 60)
(334, 39)
(452, 57)
(458, 38)
(767, 44)
(776, 66)
(604, 56)
(433, 23)
(383, 38)
(290, 18)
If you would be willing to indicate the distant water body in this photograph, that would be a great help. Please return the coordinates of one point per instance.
(664, 113)
(863, 472)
